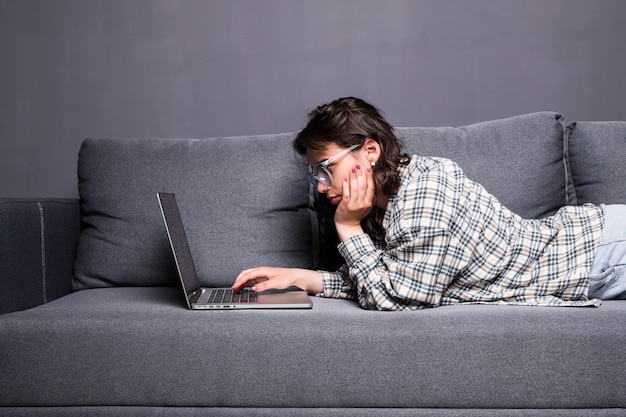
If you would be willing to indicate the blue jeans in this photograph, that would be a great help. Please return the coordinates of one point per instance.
(608, 271)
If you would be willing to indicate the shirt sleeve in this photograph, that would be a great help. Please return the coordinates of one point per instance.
(419, 258)
(407, 277)
(337, 284)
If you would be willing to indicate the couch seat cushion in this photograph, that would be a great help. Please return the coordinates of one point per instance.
(140, 346)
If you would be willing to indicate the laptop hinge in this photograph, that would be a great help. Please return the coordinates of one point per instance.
(196, 295)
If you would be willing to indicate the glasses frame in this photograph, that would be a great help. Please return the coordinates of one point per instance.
(315, 178)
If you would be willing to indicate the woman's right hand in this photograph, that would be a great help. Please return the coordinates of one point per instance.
(264, 278)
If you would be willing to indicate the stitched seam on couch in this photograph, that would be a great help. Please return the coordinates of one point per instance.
(42, 233)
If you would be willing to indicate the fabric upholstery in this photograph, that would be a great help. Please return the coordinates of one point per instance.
(243, 201)
(597, 158)
(472, 357)
(137, 351)
(498, 153)
(38, 242)
(121, 411)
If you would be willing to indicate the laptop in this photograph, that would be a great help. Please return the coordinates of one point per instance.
(201, 298)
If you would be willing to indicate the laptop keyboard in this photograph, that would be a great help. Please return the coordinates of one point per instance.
(230, 296)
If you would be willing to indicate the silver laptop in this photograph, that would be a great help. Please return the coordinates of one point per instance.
(200, 298)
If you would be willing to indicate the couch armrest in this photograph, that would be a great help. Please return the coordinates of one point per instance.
(38, 239)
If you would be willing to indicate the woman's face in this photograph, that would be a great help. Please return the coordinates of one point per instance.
(339, 169)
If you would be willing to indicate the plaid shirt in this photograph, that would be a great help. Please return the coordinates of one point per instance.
(445, 240)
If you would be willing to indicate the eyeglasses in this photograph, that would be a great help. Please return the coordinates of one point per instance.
(321, 172)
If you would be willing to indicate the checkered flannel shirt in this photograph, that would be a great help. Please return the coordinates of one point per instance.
(445, 240)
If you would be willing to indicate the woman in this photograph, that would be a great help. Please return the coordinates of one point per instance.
(417, 233)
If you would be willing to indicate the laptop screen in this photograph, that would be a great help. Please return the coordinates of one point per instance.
(178, 242)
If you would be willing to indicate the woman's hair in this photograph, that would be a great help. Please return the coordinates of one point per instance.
(349, 121)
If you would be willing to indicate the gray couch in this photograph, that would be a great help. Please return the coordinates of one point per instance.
(94, 324)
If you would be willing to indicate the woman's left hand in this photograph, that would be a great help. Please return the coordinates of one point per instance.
(356, 203)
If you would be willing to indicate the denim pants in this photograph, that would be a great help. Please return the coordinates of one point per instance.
(608, 270)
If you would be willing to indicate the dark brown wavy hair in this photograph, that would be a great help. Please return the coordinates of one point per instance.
(349, 121)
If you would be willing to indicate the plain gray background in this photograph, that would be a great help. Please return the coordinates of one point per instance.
(71, 69)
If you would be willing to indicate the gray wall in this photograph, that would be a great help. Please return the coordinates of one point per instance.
(71, 69)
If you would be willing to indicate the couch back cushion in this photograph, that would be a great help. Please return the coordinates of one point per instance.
(243, 200)
(597, 155)
(519, 159)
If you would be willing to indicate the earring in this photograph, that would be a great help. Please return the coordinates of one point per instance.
(373, 163)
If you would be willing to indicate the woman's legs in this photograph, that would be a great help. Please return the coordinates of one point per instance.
(608, 271)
